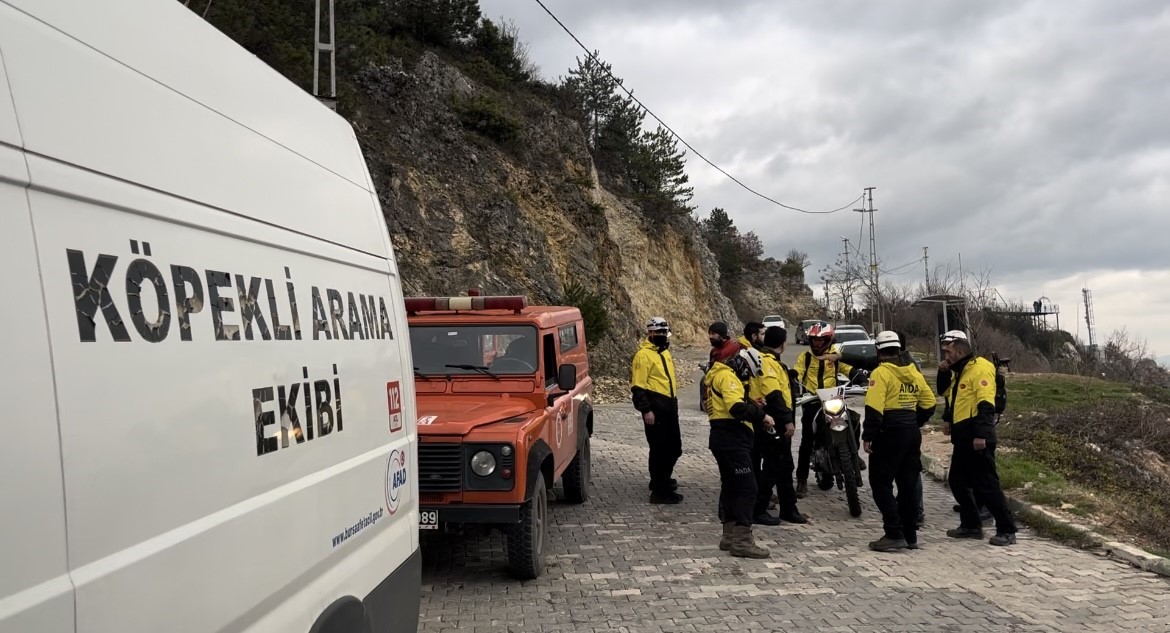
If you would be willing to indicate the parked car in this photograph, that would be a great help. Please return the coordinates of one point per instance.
(505, 411)
(802, 330)
(774, 320)
(852, 328)
(845, 336)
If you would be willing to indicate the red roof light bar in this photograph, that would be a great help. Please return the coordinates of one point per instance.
(415, 305)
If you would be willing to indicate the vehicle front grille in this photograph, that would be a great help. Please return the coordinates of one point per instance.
(440, 467)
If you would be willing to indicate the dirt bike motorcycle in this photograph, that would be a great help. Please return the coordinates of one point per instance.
(835, 459)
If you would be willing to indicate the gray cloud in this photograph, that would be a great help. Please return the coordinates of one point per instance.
(1033, 138)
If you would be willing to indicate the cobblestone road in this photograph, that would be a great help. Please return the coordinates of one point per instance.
(618, 563)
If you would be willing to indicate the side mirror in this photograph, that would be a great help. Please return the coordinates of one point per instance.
(567, 377)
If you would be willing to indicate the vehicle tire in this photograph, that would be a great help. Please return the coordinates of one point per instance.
(526, 539)
(578, 475)
(824, 482)
(850, 480)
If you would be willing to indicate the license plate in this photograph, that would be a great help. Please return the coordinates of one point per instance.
(428, 520)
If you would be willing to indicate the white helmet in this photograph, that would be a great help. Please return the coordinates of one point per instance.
(658, 325)
(751, 358)
(887, 339)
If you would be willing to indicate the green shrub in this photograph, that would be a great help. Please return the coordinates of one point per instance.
(592, 307)
(485, 116)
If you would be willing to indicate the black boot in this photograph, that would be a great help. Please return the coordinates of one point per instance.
(764, 518)
(793, 516)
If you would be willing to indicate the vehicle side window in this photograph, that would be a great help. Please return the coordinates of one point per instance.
(568, 335)
(550, 360)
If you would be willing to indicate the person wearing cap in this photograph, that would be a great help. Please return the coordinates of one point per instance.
(970, 420)
(817, 368)
(722, 345)
(897, 404)
(773, 453)
(733, 417)
(654, 388)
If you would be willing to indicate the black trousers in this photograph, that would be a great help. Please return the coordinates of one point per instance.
(774, 456)
(665, 440)
(731, 444)
(896, 458)
(973, 477)
(807, 439)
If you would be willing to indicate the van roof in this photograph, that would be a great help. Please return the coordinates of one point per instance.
(209, 122)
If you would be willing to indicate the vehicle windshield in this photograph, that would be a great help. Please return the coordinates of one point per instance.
(843, 336)
(470, 349)
(773, 317)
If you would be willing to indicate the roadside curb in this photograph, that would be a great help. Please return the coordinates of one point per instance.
(1029, 513)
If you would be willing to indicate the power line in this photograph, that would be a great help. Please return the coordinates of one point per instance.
(680, 139)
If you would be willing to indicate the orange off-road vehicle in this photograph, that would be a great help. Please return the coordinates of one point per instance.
(504, 401)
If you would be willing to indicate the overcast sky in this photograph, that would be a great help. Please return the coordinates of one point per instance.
(1031, 137)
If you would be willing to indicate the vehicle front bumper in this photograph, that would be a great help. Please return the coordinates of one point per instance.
(505, 514)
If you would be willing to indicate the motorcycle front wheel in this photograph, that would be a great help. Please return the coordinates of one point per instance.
(850, 475)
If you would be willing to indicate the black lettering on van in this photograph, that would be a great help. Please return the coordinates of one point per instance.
(355, 320)
(186, 303)
(91, 292)
(337, 314)
(290, 423)
(308, 402)
(385, 318)
(250, 307)
(263, 418)
(337, 395)
(283, 332)
(320, 319)
(292, 301)
(219, 305)
(322, 397)
(141, 270)
(369, 321)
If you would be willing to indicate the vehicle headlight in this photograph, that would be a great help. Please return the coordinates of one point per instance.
(834, 406)
(483, 463)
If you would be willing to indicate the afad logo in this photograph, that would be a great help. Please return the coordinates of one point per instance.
(396, 480)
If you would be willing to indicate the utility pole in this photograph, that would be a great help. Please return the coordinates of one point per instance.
(875, 295)
(330, 49)
(1090, 319)
(926, 266)
(846, 284)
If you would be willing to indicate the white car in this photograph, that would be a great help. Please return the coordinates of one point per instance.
(852, 328)
(774, 320)
(198, 269)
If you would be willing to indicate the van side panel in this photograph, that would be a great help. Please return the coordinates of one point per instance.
(35, 592)
(188, 440)
(9, 130)
(79, 106)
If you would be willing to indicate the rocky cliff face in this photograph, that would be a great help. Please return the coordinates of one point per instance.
(525, 215)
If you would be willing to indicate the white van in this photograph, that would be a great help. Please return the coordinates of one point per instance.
(209, 418)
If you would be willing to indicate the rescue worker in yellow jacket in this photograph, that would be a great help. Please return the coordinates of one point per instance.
(733, 417)
(654, 389)
(773, 391)
(897, 404)
(970, 421)
(817, 368)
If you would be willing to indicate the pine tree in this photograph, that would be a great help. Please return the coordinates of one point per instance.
(660, 170)
(595, 89)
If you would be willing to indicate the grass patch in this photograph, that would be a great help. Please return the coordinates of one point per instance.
(1054, 393)
(1043, 485)
(1055, 530)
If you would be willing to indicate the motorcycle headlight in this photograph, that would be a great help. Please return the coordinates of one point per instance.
(483, 463)
(834, 406)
